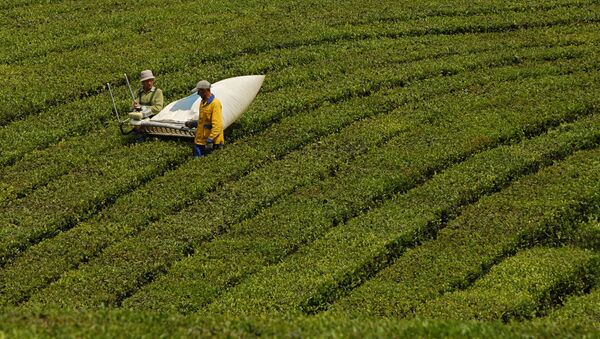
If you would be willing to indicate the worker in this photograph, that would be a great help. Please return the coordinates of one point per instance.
(209, 126)
(149, 99)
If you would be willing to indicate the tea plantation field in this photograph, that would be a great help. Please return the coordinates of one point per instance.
(425, 168)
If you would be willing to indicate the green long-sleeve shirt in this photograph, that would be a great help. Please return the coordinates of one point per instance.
(152, 99)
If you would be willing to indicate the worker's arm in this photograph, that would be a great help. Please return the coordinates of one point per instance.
(157, 103)
(217, 121)
(135, 105)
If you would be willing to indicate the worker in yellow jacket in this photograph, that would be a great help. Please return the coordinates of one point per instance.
(209, 126)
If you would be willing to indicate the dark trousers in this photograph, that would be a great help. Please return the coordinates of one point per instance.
(201, 150)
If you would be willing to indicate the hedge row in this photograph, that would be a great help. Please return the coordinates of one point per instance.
(68, 19)
(74, 197)
(73, 22)
(170, 239)
(521, 287)
(31, 133)
(586, 235)
(131, 213)
(410, 66)
(271, 109)
(174, 187)
(72, 19)
(39, 168)
(111, 323)
(581, 310)
(539, 206)
(350, 254)
(334, 114)
(83, 142)
(33, 32)
(275, 106)
(23, 100)
(296, 220)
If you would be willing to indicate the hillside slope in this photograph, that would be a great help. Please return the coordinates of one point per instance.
(409, 168)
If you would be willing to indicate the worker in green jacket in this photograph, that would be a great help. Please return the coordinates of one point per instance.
(149, 99)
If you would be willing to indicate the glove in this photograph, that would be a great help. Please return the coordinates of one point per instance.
(136, 107)
(191, 124)
(209, 144)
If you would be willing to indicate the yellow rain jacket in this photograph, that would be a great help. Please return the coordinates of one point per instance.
(210, 122)
(152, 99)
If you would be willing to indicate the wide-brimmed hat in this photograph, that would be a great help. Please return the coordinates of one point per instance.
(202, 84)
(146, 75)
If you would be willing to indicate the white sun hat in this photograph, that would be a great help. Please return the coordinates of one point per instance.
(146, 75)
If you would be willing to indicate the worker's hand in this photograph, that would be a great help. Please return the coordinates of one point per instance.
(191, 124)
(209, 144)
(136, 106)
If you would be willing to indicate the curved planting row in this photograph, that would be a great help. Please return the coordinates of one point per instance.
(27, 212)
(287, 225)
(581, 310)
(35, 269)
(451, 164)
(110, 323)
(75, 150)
(23, 100)
(85, 115)
(129, 213)
(586, 235)
(539, 206)
(520, 287)
(360, 188)
(70, 14)
(177, 186)
(352, 92)
(80, 194)
(39, 168)
(31, 33)
(273, 110)
(352, 253)
(22, 137)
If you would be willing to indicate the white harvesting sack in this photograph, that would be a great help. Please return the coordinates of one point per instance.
(235, 94)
